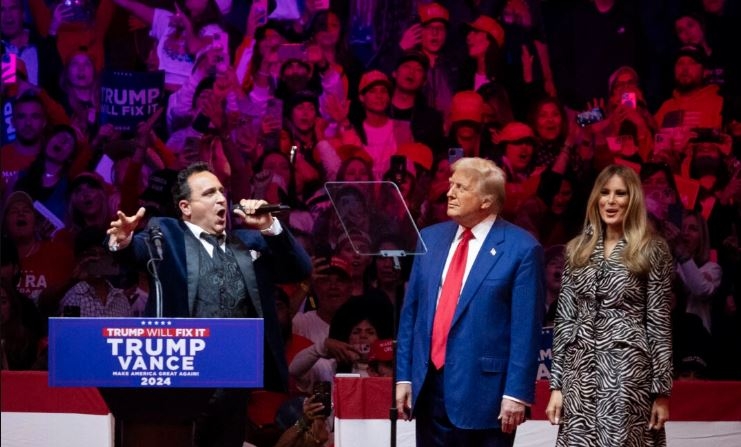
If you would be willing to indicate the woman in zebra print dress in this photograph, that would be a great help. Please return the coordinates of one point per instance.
(611, 371)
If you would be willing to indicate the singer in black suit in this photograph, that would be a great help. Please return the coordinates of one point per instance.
(208, 272)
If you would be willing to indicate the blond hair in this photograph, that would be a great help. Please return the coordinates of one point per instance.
(636, 232)
(489, 178)
(702, 253)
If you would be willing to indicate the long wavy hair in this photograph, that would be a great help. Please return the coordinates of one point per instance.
(32, 183)
(493, 59)
(75, 104)
(636, 231)
(702, 253)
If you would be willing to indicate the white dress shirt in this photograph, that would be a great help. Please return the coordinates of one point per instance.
(273, 230)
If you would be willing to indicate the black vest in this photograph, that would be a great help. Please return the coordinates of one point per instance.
(222, 292)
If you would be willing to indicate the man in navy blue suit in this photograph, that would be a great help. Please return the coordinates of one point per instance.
(470, 326)
(208, 272)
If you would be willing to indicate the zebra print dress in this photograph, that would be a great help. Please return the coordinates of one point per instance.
(612, 350)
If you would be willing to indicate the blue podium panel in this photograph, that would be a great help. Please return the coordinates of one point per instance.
(156, 352)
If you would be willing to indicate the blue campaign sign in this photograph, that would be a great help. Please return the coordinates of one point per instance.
(156, 352)
(545, 356)
(128, 97)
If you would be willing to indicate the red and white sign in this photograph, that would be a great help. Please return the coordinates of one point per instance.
(35, 415)
(703, 414)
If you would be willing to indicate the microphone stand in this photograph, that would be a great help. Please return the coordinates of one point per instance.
(152, 265)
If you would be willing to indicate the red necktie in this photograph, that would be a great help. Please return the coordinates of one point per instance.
(449, 299)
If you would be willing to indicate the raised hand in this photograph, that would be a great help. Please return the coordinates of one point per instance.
(256, 18)
(212, 108)
(550, 87)
(313, 408)
(122, 229)
(61, 14)
(601, 126)
(144, 134)
(181, 21)
(519, 12)
(411, 38)
(341, 351)
(527, 64)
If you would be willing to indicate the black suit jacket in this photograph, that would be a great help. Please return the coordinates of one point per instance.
(281, 260)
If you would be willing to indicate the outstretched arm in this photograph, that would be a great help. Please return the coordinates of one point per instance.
(122, 229)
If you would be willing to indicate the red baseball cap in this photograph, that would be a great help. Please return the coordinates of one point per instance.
(515, 131)
(433, 12)
(371, 78)
(489, 26)
(419, 153)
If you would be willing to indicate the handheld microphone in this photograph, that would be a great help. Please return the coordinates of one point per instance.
(155, 235)
(264, 209)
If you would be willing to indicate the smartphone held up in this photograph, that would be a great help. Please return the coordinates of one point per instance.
(398, 169)
(628, 99)
(591, 116)
(323, 393)
(454, 154)
(220, 44)
(260, 11)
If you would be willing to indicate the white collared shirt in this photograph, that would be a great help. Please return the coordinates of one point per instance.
(273, 230)
(480, 230)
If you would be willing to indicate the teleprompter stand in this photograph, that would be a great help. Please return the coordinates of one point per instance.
(377, 212)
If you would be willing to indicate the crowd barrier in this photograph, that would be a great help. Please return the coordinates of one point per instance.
(33, 414)
(702, 413)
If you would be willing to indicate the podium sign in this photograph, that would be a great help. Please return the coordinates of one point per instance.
(156, 352)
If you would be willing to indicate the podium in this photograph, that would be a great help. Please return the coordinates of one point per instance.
(157, 375)
(155, 417)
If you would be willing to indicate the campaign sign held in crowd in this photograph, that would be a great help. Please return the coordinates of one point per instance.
(128, 98)
(144, 352)
(545, 356)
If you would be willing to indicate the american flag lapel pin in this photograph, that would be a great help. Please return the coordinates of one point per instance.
(493, 251)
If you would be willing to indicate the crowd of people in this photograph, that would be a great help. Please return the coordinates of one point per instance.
(280, 98)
